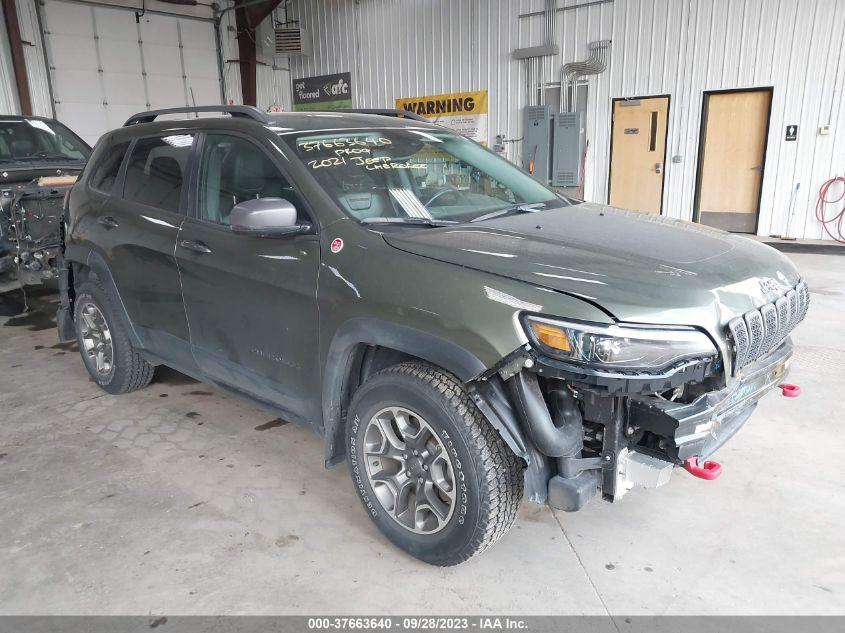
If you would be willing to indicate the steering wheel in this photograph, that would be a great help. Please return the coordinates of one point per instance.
(441, 193)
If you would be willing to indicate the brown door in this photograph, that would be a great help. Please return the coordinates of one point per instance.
(732, 156)
(639, 150)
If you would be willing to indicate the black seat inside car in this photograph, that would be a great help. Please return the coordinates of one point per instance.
(250, 174)
(165, 182)
(22, 148)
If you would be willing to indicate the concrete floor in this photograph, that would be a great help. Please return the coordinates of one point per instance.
(181, 500)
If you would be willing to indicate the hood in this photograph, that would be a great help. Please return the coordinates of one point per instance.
(637, 267)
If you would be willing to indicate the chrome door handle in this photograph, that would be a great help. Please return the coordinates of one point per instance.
(197, 247)
(108, 221)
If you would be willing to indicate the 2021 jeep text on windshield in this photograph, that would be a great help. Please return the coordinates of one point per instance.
(34, 140)
(396, 174)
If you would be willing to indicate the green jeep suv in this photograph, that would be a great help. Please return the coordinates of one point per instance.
(458, 333)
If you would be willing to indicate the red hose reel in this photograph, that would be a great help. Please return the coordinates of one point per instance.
(834, 226)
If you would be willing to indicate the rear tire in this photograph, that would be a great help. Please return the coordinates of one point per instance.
(433, 475)
(102, 335)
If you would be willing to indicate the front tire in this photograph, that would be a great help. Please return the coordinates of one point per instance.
(102, 335)
(433, 475)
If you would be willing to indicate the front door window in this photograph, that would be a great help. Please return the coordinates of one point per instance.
(234, 170)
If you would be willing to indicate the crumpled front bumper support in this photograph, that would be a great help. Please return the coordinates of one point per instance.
(703, 426)
(687, 432)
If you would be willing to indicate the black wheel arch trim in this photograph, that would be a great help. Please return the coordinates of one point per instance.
(75, 253)
(339, 368)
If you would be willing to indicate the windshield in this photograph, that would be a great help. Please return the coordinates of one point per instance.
(30, 141)
(399, 174)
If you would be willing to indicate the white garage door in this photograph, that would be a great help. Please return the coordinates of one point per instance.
(104, 67)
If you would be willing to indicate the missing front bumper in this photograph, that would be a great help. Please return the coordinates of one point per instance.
(683, 430)
(701, 427)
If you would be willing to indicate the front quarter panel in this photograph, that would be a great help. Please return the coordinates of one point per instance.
(461, 319)
(472, 310)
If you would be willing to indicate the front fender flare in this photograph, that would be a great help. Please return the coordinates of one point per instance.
(433, 349)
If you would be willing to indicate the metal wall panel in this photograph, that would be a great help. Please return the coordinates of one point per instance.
(8, 91)
(199, 55)
(73, 52)
(273, 76)
(36, 65)
(396, 48)
(229, 53)
(402, 48)
(106, 66)
(273, 86)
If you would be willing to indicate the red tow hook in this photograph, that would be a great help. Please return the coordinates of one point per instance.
(709, 470)
(790, 391)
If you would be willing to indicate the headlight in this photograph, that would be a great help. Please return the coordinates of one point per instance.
(623, 348)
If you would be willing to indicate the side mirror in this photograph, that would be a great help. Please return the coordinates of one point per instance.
(265, 217)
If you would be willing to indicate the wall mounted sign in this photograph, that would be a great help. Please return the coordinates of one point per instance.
(791, 132)
(326, 92)
(463, 112)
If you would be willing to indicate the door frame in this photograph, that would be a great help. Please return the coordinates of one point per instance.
(195, 165)
(702, 130)
(665, 141)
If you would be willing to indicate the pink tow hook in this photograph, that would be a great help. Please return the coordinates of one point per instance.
(709, 470)
(790, 391)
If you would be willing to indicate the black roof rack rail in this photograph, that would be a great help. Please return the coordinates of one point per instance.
(242, 111)
(400, 114)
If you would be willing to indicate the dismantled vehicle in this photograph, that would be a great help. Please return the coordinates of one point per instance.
(459, 333)
(40, 160)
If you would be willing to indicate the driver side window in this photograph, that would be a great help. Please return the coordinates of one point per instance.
(233, 170)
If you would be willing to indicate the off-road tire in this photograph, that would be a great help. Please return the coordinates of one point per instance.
(130, 371)
(491, 475)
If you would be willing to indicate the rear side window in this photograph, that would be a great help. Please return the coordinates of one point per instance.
(104, 174)
(156, 172)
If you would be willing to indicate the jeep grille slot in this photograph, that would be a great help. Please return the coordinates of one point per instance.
(758, 332)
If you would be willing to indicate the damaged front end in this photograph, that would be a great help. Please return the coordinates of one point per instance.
(30, 229)
(594, 427)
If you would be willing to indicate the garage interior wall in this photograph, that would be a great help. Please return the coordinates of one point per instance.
(103, 66)
(404, 48)
(206, 62)
(36, 65)
(8, 91)
(273, 85)
(273, 77)
(228, 56)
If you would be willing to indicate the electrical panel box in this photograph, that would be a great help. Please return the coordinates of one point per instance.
(568, 149)
(535, 143)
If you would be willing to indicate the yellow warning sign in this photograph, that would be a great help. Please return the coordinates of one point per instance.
(463, 112)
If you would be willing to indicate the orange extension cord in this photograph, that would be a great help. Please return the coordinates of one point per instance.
(838, 220)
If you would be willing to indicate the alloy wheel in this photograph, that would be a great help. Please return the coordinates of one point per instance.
(409, 470)
(96, 339)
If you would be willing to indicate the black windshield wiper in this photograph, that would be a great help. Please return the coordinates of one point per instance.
(410, 220)
(516, 208)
